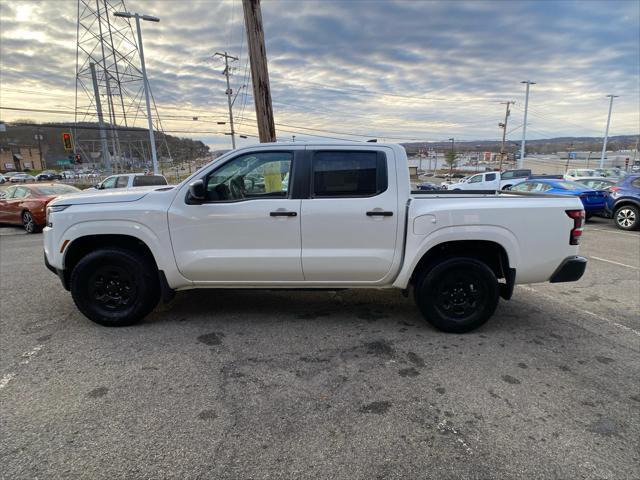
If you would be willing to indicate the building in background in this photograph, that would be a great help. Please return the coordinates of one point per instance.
(20, 158)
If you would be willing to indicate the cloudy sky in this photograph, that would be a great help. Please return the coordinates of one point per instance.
(396, 70)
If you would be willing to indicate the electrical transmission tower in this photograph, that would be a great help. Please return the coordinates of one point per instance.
(110, 91)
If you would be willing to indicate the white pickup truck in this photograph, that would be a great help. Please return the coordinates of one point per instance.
(130, 180)
(300, 216)
(492, 180)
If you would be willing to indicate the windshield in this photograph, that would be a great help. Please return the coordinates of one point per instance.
(56, 189)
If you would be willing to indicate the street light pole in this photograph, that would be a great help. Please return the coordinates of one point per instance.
(152, 139)
(606, 132)
(524, 125)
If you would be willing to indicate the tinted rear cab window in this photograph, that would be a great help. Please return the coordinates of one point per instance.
(348, 174)
(148, 180)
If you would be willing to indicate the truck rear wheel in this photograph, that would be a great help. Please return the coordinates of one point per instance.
(457, 295)
(115, 287)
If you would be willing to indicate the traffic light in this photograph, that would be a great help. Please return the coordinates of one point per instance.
(67, 141)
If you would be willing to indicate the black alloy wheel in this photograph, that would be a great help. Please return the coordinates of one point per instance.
(112, 287)
(115, 286)
(457, 295)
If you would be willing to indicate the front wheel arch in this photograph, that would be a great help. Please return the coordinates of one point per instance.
(82, 246)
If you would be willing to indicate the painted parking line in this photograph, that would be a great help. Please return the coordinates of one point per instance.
(27, 356)
(614, 263)
(610, 230)
(591, 314)
(4, 381)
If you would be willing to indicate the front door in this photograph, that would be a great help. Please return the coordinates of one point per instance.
(13, 206)
(350, 221)
(5, 204)
(248, 228)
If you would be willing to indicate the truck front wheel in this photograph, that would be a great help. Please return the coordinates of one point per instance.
(115, 287)
(457, 295)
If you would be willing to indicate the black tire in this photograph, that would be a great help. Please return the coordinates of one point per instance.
(507, 187)
(457, 295)
(627, 217)
(29, 223)
(115, 287)
(588, 216)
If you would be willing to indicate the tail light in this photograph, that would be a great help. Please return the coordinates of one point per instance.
(613, 188)
(578, 223)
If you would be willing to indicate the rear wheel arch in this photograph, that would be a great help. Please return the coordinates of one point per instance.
(488, 252)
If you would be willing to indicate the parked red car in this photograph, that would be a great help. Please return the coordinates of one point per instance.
(27, 205)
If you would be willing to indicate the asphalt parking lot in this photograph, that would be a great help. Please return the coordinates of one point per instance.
(353, 385)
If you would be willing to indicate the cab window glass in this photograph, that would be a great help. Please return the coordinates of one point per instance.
(122, 182)
(475, 179)
(522, 187)
(109, 182)
(148, 180)
(21, 192)
(490, 177)
(251, 176)
(348, 174)
(10, 192)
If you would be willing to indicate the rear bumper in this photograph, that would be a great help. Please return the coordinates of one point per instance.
(570, 270)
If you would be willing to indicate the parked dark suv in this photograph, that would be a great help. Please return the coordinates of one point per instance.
(623, 203)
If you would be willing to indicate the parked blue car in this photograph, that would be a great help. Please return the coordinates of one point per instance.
(594, 201)
(623, 203)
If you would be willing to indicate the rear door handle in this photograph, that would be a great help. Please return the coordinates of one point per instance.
(379, 213)
(278, 213)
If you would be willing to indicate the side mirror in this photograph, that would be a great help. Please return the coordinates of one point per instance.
(197, 191)
(2, 195)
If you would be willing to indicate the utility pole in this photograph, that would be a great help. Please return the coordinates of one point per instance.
(259, 70)
(524, 125)
(106, 157)
(504, 129)
(229, 92)
(452, 158)
(606, 132)
(39, 137)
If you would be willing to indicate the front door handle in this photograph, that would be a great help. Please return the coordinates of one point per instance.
(379, 213)
(279, 213)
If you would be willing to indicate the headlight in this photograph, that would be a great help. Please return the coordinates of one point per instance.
(54, 209)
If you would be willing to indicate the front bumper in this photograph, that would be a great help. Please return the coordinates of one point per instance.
(570, 270)
(57, 271)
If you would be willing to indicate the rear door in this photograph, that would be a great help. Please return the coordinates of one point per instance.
(350, 220)
(491, 181)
